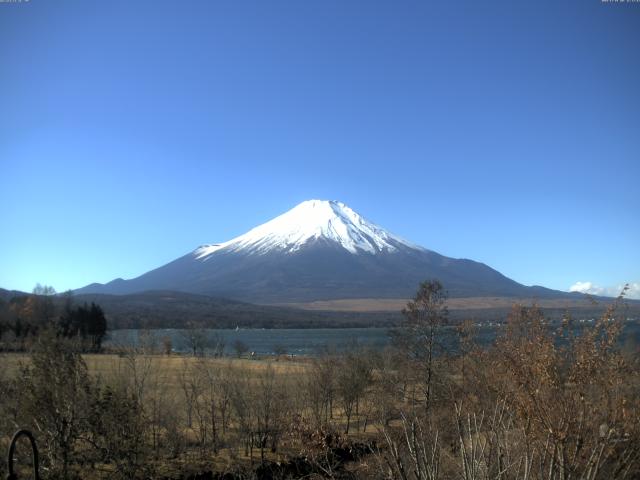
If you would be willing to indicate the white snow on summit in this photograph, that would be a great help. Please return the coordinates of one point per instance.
(312, 220)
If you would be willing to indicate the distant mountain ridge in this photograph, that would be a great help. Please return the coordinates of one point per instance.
(167, 309)
(319, 250)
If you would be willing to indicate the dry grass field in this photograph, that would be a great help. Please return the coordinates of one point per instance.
(469, 303)
(169, 371)
(174, 392)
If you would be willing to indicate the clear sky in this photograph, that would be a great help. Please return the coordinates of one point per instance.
(503, 131)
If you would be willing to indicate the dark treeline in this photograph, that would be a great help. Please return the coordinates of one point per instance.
(23, 318)
(156, 309)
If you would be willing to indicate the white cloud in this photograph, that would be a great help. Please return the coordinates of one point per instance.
(593, 289)
(634, 290)
(582, 287)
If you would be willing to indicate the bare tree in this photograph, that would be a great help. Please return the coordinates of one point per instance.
(270, 409)
(240, 347)
(242, 401)
(190, 390)
(217, 343)
(279, 350)
(321, 388)
(423, 318)
(195, 338)
(56, 395)
(44, 306)
(353, 379)
(167, 345)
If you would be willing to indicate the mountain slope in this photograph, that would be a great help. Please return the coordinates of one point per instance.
(319, 250)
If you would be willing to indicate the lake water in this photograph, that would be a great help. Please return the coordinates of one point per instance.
(296, 341)
(263, 341)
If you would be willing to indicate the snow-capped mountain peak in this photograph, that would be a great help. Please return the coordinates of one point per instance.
(308, 221)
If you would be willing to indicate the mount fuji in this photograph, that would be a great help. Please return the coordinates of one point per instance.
(319, 250)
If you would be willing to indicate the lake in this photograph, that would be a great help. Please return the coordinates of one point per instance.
(308, 342)
(294, 341)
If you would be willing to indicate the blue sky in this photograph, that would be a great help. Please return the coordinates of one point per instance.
(133, 131)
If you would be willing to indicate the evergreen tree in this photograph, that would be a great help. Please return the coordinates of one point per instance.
(97, 326)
